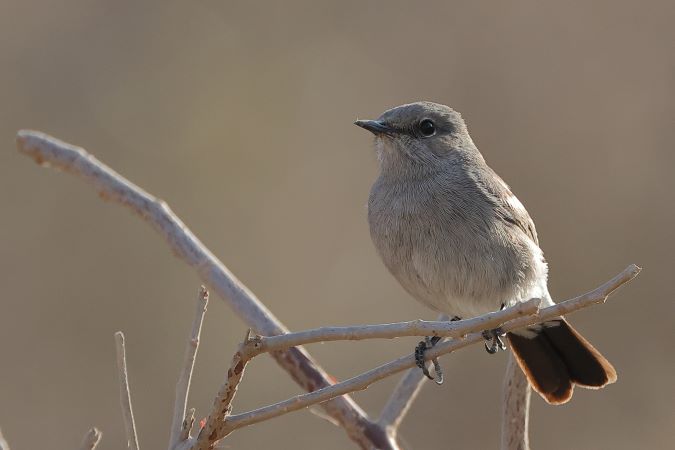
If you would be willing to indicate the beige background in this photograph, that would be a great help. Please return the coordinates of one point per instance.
(239, 114)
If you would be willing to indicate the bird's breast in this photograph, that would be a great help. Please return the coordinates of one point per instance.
(444, 251)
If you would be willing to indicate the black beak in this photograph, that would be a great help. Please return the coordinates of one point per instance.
(374, 126)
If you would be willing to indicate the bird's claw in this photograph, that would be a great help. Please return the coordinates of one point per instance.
(493, 340)
(421, 348)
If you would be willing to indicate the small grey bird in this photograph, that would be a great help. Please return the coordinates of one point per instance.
(455, 237)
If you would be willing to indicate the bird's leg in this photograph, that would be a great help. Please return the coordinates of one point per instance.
(421, 348)
(493, 339)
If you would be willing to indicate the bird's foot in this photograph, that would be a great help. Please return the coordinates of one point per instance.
(493, 340)
(420, 350)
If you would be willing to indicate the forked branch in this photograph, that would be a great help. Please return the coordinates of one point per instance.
(180, 429)
(466, 332)
(49, 151)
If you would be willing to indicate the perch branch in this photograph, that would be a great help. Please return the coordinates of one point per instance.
(110, 185)
(403, 396)
(91, 439)
(183, 385)
(361, 382)
(263, 344)
(125, 395)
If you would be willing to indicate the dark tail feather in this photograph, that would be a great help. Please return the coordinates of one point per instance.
(555, 357)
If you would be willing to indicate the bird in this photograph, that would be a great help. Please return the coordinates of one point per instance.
(456, 238)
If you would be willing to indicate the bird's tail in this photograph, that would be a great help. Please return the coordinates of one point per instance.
(555, 357)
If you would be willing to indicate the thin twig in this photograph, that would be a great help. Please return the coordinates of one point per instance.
(125, 395)
(403, 396)
(515, 408)
(361, 382)
(91, 439)
(110, 185)
(401, 400)
(183, 385)
(3, 443)
(455, 329)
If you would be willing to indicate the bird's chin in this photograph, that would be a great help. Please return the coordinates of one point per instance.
(384, 143)
(384, 147)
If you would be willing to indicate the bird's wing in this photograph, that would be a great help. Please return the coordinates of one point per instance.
(507, 206)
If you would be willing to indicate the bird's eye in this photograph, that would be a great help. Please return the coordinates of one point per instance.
(427, 128)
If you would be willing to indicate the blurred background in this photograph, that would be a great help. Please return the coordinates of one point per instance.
(239, 115)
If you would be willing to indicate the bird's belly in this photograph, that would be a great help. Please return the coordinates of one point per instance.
(453, 284)
(457, 272)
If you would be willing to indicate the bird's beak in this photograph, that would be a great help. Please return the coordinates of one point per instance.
(375, 126)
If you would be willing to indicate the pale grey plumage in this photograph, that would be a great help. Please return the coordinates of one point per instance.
(446, 226)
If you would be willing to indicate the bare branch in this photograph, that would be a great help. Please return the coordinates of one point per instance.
(125, 395)
(401, 399)
(48, 151)
(3, 443)
(515, 408)
(218, 426)
(393, 330)
(403, 396)
(183, 385)
(91, 439)
(360, 382)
